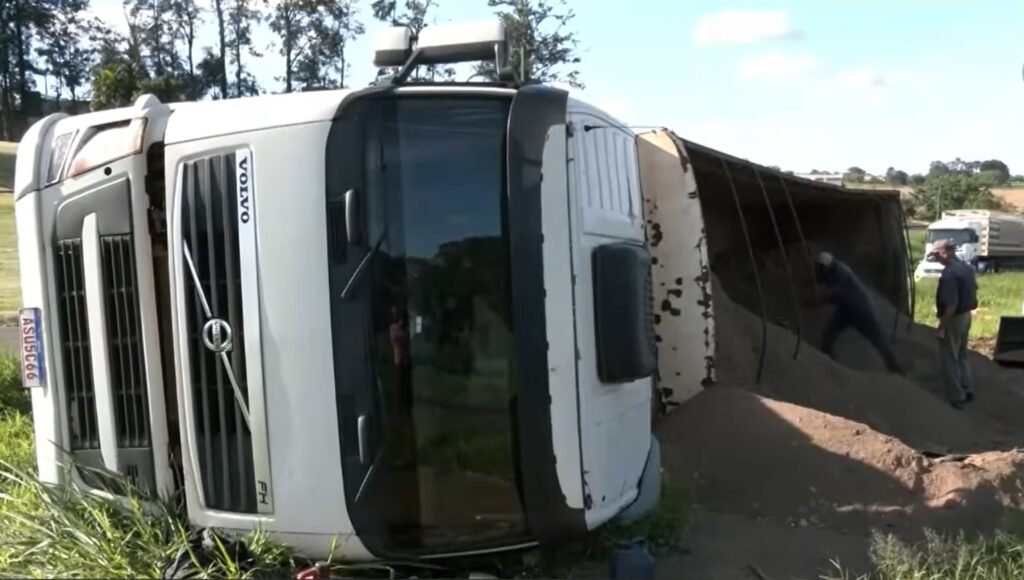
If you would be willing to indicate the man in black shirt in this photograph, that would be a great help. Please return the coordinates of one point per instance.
(955, 298)
(853, 309)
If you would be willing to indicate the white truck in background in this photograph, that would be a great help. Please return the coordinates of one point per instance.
(988, 240)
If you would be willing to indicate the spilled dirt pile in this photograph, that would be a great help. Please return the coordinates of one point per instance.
(841, 443)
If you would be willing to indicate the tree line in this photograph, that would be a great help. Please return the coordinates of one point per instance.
(947, 185)
(86, 62)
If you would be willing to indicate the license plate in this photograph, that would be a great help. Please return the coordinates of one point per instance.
(33, 367)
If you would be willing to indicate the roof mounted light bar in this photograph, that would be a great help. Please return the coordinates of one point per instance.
(442, 44)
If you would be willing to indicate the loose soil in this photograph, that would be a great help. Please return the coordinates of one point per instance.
(798, 468)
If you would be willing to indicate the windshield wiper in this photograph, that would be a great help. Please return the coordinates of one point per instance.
(361, 268)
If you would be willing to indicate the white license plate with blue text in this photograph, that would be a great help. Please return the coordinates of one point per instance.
(33, 367)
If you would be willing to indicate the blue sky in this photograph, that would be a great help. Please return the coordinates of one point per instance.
(803, 84)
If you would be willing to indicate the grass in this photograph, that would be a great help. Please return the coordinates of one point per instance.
(7, 151)
(998, 295)
(944, 557)
(662, 530)
(10, 286)
(60, 532)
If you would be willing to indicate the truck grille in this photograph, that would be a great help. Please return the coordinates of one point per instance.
(74, 345)
(124, 336)
(131, 406)
(213, 291)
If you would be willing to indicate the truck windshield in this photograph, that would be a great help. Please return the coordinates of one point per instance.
(422, 346)
(958, 237)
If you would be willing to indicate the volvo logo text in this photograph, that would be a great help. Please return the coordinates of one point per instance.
(217, 335)
(243, 190)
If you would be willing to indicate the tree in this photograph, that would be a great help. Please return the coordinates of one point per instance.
(157, 35)
(999, 170)
(21, 21)
(314, 35)
(221, 57)
(164, 74)
(66, 52)
(211, 75)
(938, 169)
(242, 14)
(855, 175)
(188, 17)
(117, 77)
(917, 179)
(291, 20)
(895, 176)
(541, 47)
(948, 192)
(343, 27)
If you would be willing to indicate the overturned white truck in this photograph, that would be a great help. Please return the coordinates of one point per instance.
(417, 319)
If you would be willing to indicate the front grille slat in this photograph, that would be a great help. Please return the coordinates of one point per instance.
(75, 347)
(83, 353)
(124, 334)
(115, 328)
(209, 230)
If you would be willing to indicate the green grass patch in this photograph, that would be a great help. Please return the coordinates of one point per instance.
(943, 557)
(917, 237)
(10, 285)
(7, 155)
(663, 531)
(998, 295)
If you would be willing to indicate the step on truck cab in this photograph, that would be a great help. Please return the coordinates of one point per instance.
(414, 319)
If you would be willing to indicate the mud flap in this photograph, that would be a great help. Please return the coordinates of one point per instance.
(650, 486)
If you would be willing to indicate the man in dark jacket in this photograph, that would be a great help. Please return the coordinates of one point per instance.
(955, 298)
(852, 308)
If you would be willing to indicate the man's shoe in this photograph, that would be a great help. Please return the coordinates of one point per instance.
(958, 405)
(968, 397)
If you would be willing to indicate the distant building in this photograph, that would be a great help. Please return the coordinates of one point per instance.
(829, 178)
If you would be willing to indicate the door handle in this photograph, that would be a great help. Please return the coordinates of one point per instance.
(364, 444)
(352, 221)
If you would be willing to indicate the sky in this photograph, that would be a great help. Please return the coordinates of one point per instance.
(802, 84)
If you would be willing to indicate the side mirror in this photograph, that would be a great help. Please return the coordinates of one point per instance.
(353, 225)
(623, 313)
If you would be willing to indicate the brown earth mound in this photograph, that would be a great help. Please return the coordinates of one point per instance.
(841, 443)
(762, 458)
(912, 409)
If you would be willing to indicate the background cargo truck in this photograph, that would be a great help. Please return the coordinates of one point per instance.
(988, 240)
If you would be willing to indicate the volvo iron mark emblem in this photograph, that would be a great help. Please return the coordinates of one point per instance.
(217, 335)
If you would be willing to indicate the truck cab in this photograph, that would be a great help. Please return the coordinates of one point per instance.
(965, 234)
(412, 320)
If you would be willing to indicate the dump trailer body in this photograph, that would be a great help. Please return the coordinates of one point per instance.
(722, 224)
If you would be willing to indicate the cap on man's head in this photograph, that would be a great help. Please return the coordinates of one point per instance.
(825, 259)
(941, 245)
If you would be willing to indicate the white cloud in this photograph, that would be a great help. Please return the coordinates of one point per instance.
(862, 85)
(860, 79)
(777, 66)
(744, 27)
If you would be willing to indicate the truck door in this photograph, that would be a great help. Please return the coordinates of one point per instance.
(607, 232)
